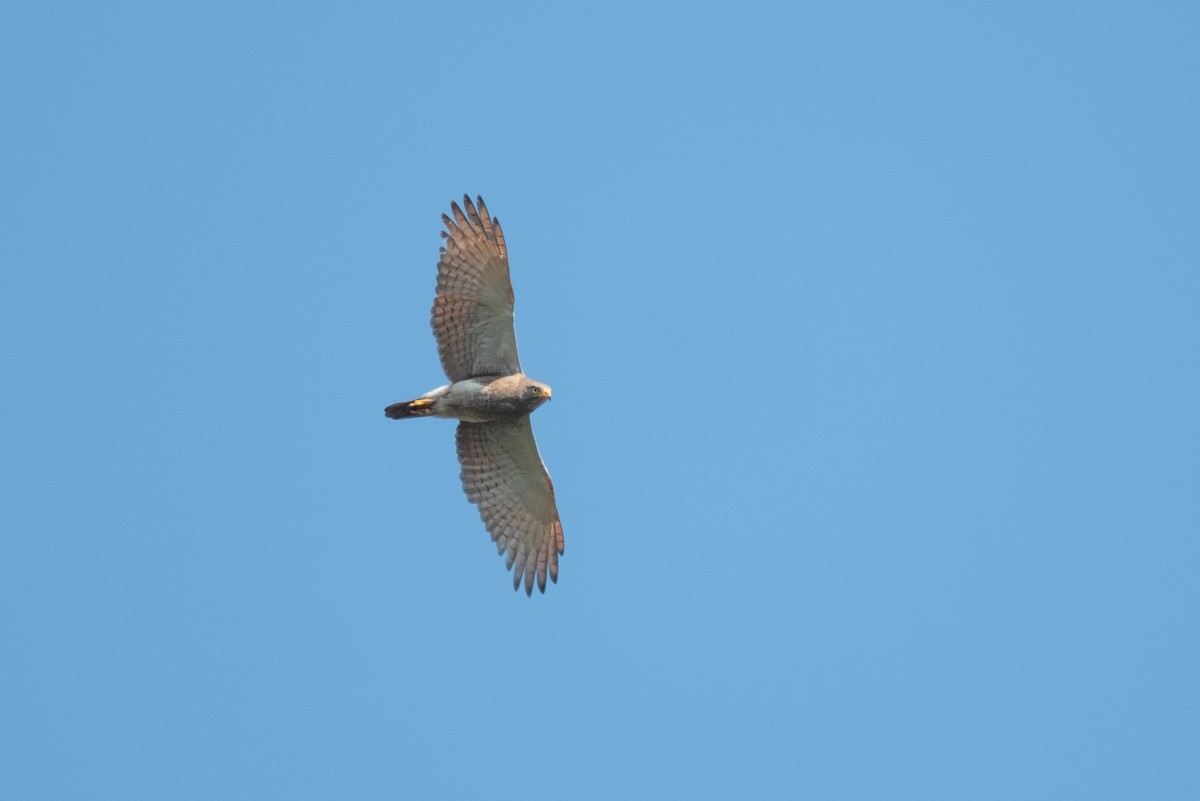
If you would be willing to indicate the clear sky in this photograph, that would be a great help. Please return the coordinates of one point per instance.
(873, 330)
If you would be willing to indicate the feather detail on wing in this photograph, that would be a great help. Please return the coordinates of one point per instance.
(504, 477)
(472, 315)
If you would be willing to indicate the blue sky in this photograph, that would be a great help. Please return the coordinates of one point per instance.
(873, 335)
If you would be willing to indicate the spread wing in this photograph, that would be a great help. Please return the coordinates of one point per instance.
(503, 475)
(472, 315)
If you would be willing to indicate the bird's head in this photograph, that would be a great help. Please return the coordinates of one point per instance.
(537, 393)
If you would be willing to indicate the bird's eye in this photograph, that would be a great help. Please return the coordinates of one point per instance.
(535, 390)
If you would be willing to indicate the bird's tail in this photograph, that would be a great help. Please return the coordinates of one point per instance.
(421, 407)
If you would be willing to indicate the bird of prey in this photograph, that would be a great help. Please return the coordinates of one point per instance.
(502, 472)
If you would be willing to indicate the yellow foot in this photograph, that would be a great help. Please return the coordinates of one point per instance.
(421, 406)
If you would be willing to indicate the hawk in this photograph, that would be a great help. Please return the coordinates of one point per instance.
(502, 472)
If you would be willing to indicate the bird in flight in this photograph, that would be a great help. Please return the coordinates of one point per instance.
(502, 472)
